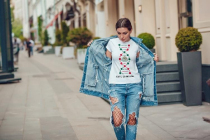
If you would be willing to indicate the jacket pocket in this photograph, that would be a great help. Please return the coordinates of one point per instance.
(147, 84)
(91, 75)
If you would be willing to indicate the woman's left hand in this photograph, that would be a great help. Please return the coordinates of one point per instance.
(156, 58)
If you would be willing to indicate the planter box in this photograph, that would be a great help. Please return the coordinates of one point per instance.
(68, 52)
(81, 55)
(189, 65)
(58, 50)
(46, 48)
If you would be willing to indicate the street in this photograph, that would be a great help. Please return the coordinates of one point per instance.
(46, 105)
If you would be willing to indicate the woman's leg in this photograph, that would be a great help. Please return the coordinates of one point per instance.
(117, 102)
(132, 110)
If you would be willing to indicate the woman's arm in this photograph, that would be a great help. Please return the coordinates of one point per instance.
(137, 54)
(156, 58)
(109, 54)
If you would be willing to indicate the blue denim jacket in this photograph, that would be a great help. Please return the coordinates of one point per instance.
(97, 67)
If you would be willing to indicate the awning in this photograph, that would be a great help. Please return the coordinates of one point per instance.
(51, 23)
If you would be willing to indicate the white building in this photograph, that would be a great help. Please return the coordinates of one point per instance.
(161, 18)
(26, 31)
(18, 12)
(55, 11)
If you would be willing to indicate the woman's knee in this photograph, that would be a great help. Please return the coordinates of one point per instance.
(117, 117)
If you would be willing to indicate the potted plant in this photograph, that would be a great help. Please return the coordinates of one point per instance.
(67, 50)
(58, 42)
(46, 44)
(188, 41)
(148, 40)
(96, 38)
(80, 36)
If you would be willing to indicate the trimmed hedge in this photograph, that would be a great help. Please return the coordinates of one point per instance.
(188, 39)
(96, 38)
(79, 36)
(148, 40)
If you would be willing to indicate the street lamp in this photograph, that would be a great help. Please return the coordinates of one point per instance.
(140, 8)
(68, 6)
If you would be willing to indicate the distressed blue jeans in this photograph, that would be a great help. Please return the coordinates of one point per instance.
(125, 97)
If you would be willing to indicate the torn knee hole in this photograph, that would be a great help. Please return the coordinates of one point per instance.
(113, 100)
(132, 119)
(117, 117)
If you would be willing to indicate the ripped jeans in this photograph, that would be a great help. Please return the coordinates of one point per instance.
(125, 97)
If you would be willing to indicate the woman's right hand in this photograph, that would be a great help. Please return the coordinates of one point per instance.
(89, 43)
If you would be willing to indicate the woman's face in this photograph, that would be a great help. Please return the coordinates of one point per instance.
(124, 34)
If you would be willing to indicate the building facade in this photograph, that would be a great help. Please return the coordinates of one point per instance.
(18, 12)
(161, 18)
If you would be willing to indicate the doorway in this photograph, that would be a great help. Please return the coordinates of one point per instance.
(185, 13)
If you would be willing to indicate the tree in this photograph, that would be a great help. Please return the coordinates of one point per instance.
(58, 39)
(17, 28)
(46, 38)
(12, 14)
(79, 36)
(40, 21)
(65, 30)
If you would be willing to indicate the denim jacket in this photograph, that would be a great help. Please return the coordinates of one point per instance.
(95, 80)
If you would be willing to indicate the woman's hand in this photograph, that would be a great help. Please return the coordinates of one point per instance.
(89, 43)
(156, 58)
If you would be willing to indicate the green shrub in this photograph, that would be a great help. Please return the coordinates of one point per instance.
(79, 36)
(58, 40)
(65, 30)
(17, 28)
(46, 38)
(148, 40)
(40, 21)
(188, 39)
(96, 38)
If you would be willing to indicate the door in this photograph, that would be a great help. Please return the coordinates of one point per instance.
(185, 13)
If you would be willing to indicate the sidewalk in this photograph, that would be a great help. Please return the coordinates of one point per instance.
(47, 105)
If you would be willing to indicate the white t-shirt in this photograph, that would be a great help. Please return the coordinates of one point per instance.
(124, 69)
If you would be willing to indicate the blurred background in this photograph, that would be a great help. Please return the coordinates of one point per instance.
(161, 18)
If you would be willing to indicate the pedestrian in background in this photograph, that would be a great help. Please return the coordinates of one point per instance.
(121, 69)
(32, 46)
(28, 47)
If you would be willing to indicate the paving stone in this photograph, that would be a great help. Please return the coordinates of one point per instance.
(32, 135)
(13, 137)
(56, 128)
(50, 107)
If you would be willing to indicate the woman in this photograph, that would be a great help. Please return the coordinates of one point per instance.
(125, 76)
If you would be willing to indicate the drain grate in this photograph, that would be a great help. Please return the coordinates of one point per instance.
(41, 75)
(68, 78)
(99, 118)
